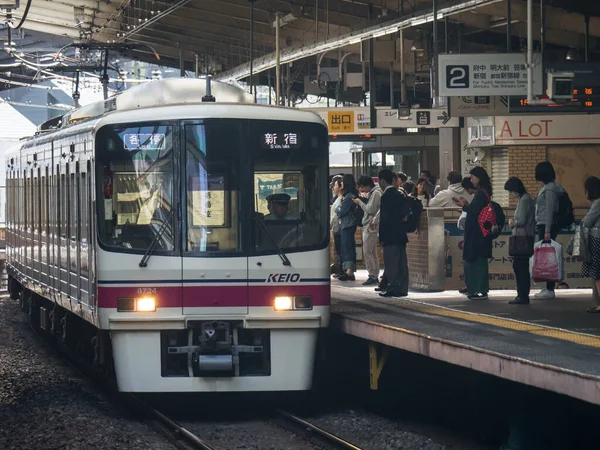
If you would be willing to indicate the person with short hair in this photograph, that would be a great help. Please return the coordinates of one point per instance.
(467, 185)
(366, 185)
(402, 179)
(334, 223)
(278, 205)
(523, 224)
(455, 190)
(591, 221)
(393, 213)
(546, 208)
(348, 227)
(477, 248)
(429, 185)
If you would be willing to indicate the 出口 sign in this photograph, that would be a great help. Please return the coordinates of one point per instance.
(486, 74)
(544, 130)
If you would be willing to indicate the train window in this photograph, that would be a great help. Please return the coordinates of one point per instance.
(212, 180)
(290, 162)
(84, 207)
(135, 195)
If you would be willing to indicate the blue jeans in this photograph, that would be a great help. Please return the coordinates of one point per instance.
(348, 249)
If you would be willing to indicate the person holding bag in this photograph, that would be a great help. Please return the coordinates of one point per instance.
(591, 225)
(520, 244)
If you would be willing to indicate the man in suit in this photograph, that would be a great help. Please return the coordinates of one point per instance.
(393, 214)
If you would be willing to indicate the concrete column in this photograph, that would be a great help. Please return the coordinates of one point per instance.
(449, 153)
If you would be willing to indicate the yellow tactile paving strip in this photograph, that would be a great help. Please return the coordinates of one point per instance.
(527, 327)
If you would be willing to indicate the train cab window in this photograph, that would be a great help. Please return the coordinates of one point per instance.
(290, 186)
(212, 179)
(135, 194)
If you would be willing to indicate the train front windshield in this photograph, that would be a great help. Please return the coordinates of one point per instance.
(213, 187)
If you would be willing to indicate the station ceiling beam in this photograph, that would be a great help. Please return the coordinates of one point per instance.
(294, 54)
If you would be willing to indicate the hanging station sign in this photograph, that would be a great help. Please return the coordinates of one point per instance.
(486, 74)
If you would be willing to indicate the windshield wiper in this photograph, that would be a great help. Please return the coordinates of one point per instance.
(263, 227)
(157, 236)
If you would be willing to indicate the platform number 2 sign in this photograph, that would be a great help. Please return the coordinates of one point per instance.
(457, 77)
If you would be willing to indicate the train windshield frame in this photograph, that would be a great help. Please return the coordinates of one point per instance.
(137, 192)
(211, 180)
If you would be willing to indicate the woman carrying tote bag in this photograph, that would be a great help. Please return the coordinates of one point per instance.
(520, 244)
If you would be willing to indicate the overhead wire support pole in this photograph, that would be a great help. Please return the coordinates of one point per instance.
(587, 37)
(252, 89)
(508, 26)
(530, 51)
(372, 88)
(542, 31)
(435, 54)
(278, 61)
(104, 77)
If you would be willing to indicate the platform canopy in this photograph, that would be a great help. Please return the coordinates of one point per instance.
(215, 35)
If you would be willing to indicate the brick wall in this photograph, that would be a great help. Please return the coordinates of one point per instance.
(521, 163)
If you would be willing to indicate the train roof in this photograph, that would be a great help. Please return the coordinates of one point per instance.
(163, 93)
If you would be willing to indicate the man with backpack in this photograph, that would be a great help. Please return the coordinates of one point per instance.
(394, 213)
(366, 185)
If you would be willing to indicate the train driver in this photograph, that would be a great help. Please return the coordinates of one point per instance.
(278, 205)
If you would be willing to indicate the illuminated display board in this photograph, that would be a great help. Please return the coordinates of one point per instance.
(586, 92)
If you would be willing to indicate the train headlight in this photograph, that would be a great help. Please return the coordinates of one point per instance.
(283, 303)
(145, 304)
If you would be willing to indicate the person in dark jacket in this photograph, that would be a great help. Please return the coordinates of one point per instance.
(393, 213)
(523, 224)
(477, 249)
(346, 215)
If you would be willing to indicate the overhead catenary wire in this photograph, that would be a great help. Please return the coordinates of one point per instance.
(23, 17)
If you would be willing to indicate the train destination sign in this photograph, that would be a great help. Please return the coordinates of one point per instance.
(144, 141)
(486, 74)
(275, 141)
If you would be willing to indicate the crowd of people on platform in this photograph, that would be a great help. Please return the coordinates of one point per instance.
(385, 210)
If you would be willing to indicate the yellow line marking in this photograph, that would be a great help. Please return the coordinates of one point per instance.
(540, 330)
(511, 324)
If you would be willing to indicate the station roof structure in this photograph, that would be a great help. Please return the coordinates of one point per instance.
(215, 35)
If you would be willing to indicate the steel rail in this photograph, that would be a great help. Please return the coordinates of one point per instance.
(191, 437)
(332, 438)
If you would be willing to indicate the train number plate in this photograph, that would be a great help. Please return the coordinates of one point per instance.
(6, 336)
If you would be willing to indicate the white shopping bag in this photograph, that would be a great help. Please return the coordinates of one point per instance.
(558, 250)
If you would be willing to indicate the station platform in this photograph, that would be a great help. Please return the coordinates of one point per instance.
(549, 344)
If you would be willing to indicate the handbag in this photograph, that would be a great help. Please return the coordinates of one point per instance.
(520, 246)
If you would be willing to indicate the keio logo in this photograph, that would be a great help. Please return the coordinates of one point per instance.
(283, 278)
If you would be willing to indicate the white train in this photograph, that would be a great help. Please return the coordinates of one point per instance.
(179, 241)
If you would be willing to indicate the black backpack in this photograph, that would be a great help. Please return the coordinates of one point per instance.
(500, 221)
(564, 216)
(415, 208)
(359, 213)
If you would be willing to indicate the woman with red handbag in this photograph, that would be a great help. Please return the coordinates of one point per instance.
(477, 248)
(520, 245)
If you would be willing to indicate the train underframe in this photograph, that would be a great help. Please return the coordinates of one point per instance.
(213, 355)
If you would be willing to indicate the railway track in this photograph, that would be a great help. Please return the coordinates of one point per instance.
(297, 427)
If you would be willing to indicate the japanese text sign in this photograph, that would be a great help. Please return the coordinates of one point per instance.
(486, 74)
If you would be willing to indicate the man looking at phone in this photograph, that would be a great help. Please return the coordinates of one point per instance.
(444, 199)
